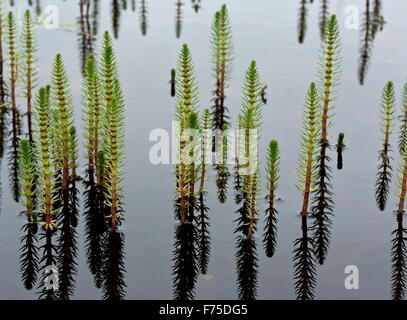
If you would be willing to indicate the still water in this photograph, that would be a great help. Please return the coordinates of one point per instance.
(266, 31)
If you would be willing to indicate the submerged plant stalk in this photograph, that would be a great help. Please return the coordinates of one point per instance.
(384, 169)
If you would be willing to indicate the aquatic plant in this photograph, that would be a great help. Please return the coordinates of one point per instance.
(238, 179)
(91, 111)
(264, 93)
(124, 4)
(192, 148)
(178, 18)
(3, 33)
(302, 20)
(109, 171)
(29, 251)
(222, 170)
(399, 250)
(196, 5)
(272, 170)
(384, 169)
(372, 22)
(29, 68)
(110, 162)
(250, 120)
(114, 287)
(16, 124)
(93, 203)
(113, 152)
(68, 222)
(108, 69)
(304, 255)
(186, 85)
(202, 218)
(249, 130)
(38, 9)
(366, 43)
(247, 268)
(87, 32)
(43, 131)
(340, 146)
(185, 268)
(62, 101)
(172, 82)
(64, 136)
(322, 204)
(143, 17)
(222, 61)
(377, 18)
(95, 17)
(3, 86)
(402, 139)
(323, 17)
(116, 13)
(189, 243)
(186, 105)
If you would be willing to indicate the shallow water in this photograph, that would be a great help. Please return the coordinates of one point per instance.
(265, 31)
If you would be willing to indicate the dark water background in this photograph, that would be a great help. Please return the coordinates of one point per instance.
(264, 30)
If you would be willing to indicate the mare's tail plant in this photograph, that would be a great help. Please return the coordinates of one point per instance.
(238, 178)
(113, 151)
(29, 251)
(304, 257)
(94, 215)
(249, 129)
(116, 13)
(29, 69)
(323, 17)
(384, 169)
(222, 170)
(63, 124)
(322, 204)
(399, 249)
(185, 266)
(203, 225)
(172, 82)
(377, 18)
(73, 177)
(3, 37)
(192, 149)
(186, 106)
(402, 138)
(222, 65)
(16, 123)
(340, 147)
(366, 43)
(86, 32)
(43, 130)
(222, 61)
(143, 16)
(111, 164)
(250, 121)
(302, 20)
(178, 18)
(272, 170)
(196, 5)
(188, 247)
(372, 23)
(3, 86)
